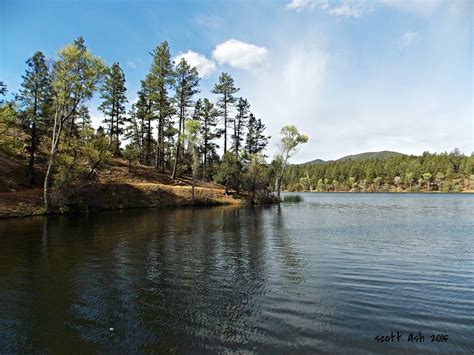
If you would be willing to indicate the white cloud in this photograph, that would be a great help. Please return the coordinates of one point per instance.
(409, 38)
(421, 7)
(358, 8)
(209, 21)
(349, 9)
(131, 64)
(288, 91)
(239, 54)
(204, 66)
(299, 5)
(344, 8)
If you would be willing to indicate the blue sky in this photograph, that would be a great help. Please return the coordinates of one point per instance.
(354, 75)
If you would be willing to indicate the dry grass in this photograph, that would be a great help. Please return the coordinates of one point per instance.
(115, 188)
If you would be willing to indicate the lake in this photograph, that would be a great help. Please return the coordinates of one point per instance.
(329, 274)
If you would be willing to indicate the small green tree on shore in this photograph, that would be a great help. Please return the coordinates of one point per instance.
(289, 141)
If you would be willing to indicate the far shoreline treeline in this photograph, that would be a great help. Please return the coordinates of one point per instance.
(429, 172)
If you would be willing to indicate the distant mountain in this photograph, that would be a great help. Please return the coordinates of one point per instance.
(371, 155)
(362, 156)
(315, 161)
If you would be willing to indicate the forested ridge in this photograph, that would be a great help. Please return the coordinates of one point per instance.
(446, 172)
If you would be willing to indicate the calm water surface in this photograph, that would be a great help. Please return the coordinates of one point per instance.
(326, 275)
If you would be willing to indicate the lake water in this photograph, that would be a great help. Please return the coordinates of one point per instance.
(325, 275)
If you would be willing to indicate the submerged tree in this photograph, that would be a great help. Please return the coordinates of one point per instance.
(226, 89)
(35, 100)
(75, 76)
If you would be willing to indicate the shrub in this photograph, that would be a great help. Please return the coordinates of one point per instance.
(292, 198)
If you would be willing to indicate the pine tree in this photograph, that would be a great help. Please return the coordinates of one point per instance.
(187, 82)
(85, 122)
(243, 108)
(134, 131)
(208, 116)
(35, 100)
(145, 117)
(113, 94)
(226, 89)
(256, 141)
(3, 90)
(157, 82)
(75, 76)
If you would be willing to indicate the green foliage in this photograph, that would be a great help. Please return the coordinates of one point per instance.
(3, 90)
(187, 82)
(292, 198)
(256, 141)
(414, 173)
(207, 114)
(132, 154)
(35, 94)
(75, 77)
(289, 141)
(9, 129)
(229, 173)
(226, 89)
(240, 120)
(114, 97)
(256, 177)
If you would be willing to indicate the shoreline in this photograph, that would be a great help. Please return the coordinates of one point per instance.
(115, 196)
(383, 192)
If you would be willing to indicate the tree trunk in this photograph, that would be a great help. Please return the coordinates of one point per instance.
(225, 123)
(253, 190)
(178, 146)
(31, 164)
(158, 150)
(49, 171)
(204, 167)
(117, 148)
(194, 183)
(129, 165)
(278, 187)
(148, 142)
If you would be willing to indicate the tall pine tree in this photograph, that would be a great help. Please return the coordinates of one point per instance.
(113, 94)
(187, 82)
(240, 120)
(256, 140)
(35, 100)
(158, 82)
(226, 89)
(208, 115)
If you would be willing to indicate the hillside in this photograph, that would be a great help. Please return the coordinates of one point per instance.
(361, 156)
(115, 188)
(371, 155)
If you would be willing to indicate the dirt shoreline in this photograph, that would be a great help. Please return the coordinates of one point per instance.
(115, 196)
